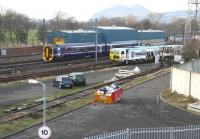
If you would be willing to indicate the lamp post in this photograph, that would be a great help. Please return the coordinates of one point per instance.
(32, 81)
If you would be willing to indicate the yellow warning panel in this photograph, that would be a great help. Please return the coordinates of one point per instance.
(58, 40)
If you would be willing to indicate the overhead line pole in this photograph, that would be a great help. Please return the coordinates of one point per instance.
(43, 26)
(96, 50)
(196, 3)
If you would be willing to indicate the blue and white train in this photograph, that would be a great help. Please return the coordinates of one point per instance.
(55, 52)
(144, 53)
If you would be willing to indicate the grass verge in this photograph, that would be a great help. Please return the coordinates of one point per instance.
(30, 102)
(25, 122)
(176, 99)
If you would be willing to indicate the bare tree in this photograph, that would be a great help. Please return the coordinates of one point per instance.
(191, 50)
(146, 24)
(131, 21)
(104, 21)
(63, 21)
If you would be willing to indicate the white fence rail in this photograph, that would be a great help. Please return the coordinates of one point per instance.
(182, 132)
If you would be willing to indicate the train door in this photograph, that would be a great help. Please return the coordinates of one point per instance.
(123, 55)
(157, 57)
(127, 54)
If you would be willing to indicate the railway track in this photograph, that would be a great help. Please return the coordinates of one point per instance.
(59, 101)
(48, 69)
(33, 64)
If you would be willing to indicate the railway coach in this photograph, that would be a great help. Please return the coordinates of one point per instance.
(143, 53)
(70, 51)
(55, 52)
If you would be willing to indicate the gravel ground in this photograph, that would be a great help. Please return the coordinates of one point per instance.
(23, 91)
(139, 107)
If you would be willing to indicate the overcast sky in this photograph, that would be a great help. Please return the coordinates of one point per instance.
(82, 10)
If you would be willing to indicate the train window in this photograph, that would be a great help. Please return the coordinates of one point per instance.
(140, 53)
(82, 49)
(69, 49)
(122, 52)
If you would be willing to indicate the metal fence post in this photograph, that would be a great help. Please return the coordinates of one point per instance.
(190, 84)
(171, 133)
(127, 133)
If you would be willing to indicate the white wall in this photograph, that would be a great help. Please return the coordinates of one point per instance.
(195, 85)
(182, 83)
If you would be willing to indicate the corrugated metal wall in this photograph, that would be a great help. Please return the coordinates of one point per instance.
(74, 37)
(118, 35)
(105, 35)
(151, 35)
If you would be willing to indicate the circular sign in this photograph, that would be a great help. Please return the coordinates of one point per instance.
(44, 132)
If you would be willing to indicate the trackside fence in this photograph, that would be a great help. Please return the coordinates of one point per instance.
(182, 132)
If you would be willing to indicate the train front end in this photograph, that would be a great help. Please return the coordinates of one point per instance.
(48, 53)
(115, 55)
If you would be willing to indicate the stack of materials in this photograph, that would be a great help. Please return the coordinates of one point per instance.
(124, 73)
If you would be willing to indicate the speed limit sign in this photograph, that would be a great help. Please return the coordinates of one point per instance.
(44, 132)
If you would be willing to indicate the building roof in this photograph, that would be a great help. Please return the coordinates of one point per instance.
(150, 30)
(114, 28)
(77, 31)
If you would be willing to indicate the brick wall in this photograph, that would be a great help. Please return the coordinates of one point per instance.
(24, 51)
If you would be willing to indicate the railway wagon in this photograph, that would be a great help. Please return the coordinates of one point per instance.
(143, 53)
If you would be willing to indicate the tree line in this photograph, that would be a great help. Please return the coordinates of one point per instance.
(17, 29)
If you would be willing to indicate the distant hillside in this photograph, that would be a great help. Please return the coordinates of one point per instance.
(167, 17)
(138, 11)
(120, 11)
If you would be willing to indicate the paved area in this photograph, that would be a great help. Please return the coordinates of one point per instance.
(23, 91)
(139, 107)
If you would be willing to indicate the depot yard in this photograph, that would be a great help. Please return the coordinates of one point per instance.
(16, 125)
(22, 92)
(139, 107)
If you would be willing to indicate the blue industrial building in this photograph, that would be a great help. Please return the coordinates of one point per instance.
(151, 34)
(105, 35)
(76, 36)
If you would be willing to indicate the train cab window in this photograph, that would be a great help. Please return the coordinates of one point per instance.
(122, 52)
